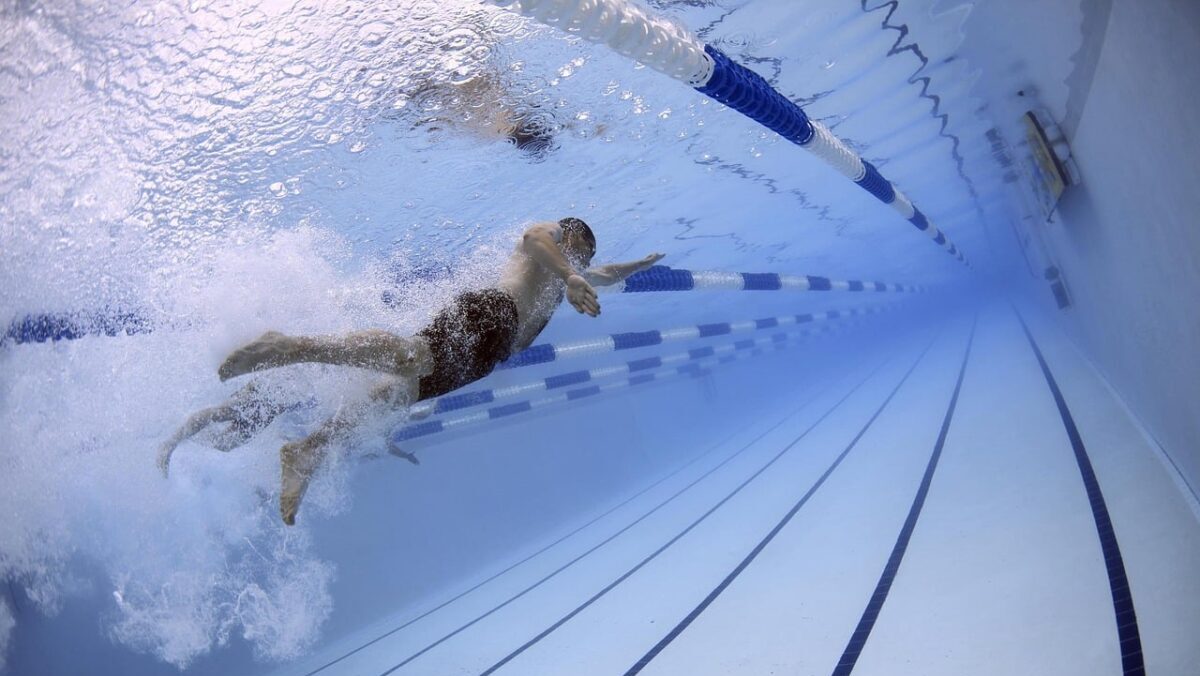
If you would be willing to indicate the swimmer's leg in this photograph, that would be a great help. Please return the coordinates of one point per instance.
(194, 424)
(255, 413)
(238, 432)
(299, 460)
(373, 349)
(247, 411)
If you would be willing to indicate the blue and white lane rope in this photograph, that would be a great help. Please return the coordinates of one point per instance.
(457, 402)
(547, 352)
(430, 427)
(665, 278)
(671, 49)
(695, 365)
(56, 326)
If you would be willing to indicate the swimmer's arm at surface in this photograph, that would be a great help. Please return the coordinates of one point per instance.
(540, 242)
(605, 275)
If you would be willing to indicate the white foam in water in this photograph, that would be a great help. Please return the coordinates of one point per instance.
(203, 556)
(191, 559)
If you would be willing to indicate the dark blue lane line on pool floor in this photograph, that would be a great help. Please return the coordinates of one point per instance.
(1127, 625)
(724, 584)
(530, 557)
(867, 622)
(738, 489)
(612, 537)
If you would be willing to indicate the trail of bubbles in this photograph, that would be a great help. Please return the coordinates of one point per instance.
(202, 557)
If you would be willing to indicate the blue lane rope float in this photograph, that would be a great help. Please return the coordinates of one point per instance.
(544, 353)
(673, 50)
(665, 278)
(430, 427)
(460, 401)
(698, 362)
(56, 326)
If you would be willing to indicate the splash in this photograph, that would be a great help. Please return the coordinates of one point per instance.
(177, 158)
(196, 559)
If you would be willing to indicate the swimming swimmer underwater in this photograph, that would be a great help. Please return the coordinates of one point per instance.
(463, 343)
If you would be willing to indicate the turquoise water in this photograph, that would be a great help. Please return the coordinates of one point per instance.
(224, 170)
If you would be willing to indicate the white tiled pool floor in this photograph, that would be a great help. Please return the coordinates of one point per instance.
(1003, 570)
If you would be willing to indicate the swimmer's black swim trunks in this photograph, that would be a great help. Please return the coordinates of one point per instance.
(467, 339)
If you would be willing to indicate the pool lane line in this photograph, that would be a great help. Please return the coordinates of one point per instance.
(566, 618)
(654, 509)
(535, 554)
(1128, 633)
(862, 632)
(720, 588)
(675, 472)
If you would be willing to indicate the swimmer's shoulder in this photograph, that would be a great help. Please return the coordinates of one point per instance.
(551, 228)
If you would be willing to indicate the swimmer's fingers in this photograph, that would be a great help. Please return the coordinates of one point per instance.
(591, 301)
(590, 307)
(591, 304)
(652, 259)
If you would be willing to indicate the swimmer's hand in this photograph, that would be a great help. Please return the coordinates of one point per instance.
(647, 262)
(582, 296)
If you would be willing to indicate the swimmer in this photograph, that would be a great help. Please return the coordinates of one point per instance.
(462, 344)
(492, 103)
(481, 107)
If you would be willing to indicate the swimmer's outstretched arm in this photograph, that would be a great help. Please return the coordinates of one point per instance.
(604, 275)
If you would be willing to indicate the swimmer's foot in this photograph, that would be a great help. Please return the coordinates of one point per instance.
(271, 349)
(164, 458)
(401, 453)
(299, 460)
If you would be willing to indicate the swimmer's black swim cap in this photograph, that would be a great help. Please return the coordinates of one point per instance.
(577, 226)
